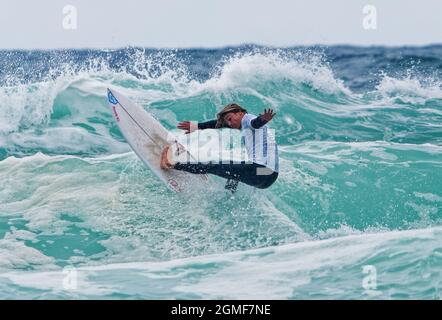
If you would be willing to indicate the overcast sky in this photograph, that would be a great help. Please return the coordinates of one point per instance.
(215, 23)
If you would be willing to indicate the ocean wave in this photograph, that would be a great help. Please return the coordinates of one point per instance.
(360, 158)
(292, 271)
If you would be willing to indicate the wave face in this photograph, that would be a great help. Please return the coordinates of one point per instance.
(360, 136)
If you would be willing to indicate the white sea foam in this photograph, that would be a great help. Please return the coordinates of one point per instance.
(409, 89)
(15, 254)
(279, 272)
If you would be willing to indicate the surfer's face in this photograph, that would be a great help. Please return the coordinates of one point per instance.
(233, 120)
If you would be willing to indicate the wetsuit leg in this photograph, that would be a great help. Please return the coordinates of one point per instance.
(253, 174)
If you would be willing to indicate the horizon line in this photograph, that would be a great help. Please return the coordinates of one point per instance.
(431, 44)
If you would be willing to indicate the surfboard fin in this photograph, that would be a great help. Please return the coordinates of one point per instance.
(231, 185)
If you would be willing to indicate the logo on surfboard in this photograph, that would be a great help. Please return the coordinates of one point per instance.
(115, 113)
(111, 97)
(113, 101)
(174, 185)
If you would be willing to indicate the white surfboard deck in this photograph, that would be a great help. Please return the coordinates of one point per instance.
(147, 137)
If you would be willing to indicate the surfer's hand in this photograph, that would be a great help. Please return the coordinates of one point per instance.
(268, 115)
(188, 126)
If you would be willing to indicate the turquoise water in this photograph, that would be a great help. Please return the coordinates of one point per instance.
(360, 139)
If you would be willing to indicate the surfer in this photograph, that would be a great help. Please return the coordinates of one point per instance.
(258, 139)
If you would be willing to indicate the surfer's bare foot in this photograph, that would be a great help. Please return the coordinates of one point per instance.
(165, 163)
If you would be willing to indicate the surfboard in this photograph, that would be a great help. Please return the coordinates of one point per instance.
(147, 137)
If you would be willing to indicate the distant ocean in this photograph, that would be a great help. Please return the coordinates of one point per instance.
(355, 214)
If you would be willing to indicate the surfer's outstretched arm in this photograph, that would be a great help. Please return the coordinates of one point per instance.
(262, 119)
(190, 127)
(207, 125)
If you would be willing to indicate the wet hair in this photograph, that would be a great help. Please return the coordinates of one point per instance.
(230, 108)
